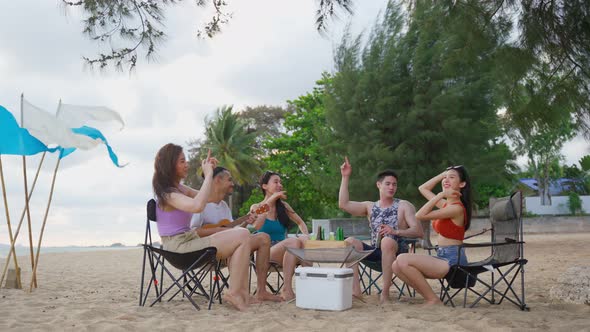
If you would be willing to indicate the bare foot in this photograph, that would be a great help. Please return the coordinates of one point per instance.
(236, 301)
(358, 297)
(253, 300)
(287, 296)
(383, 298)
(435, 301)
(266, 296)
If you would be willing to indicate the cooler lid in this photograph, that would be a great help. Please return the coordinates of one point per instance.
(323, 272)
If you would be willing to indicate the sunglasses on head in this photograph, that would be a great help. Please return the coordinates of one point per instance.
(454, 167)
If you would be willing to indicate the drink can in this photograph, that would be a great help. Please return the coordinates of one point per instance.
(379, 237)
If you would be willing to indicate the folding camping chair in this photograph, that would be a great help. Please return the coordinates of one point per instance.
(425, 243)
(373, 271)
(505, 264)
(194, 266)
(274, 267)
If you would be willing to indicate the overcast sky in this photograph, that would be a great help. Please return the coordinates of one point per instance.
(268, 54)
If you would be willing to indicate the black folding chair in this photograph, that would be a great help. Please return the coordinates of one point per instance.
(372, 271)
(194, 266)
(274, 267)
(152, 257)
(505, 264)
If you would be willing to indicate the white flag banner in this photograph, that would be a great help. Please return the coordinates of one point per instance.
(74, 116)
(52, 131)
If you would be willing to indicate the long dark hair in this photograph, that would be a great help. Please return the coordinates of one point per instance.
(466, 197)
(281, 208)
(165, 178)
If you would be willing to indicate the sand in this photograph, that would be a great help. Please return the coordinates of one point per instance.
(98, 291)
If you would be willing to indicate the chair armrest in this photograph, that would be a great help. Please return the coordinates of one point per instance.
(489, 244)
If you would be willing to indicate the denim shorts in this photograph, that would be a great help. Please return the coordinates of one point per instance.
(451, 255)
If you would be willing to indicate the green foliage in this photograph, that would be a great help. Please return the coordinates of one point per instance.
(539, 122)
(195, 150)
(580, 178)
(230, 142)
(423, 93)
(418, 97)
(301, 155)
(572, 172)
(266, 121)
(585, 163)
(486, 191)
(574, 203)
(255, 197)
(228, 133)
(529, 214)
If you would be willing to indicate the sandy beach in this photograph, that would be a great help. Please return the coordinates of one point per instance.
(98, 291)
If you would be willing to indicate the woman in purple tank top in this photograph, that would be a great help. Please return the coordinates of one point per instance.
(176, 204)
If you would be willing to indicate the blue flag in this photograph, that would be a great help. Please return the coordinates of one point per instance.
(94, 134)
(15, 140)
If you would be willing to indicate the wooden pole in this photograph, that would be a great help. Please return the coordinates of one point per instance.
(12, 252)
(36, 262)
(22, 124)
(43, 225)
(22, 216)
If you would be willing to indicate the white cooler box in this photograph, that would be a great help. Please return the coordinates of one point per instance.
(323, 288)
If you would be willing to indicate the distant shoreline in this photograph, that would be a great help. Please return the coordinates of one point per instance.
(25, 251)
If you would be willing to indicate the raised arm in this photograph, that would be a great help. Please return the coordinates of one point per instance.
(426, 189)
(452, 211)
(190, 192)
(296, 218)
(197, 203)
(344, 202)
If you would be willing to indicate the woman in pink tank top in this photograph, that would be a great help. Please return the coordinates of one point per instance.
(177, 202)
(453, 205)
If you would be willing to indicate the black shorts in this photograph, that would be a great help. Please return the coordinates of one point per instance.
(375, 256)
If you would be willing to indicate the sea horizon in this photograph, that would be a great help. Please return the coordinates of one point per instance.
(25, 250)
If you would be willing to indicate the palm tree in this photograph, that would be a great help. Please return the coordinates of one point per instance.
(228, 138)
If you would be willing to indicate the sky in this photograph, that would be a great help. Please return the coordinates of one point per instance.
(269, 53)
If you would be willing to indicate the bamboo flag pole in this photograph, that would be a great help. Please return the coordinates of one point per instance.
(22, 123)
(12, 252)
(34, 276)
(22, 216)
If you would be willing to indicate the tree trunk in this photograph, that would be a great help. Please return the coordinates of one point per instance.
(543, 182)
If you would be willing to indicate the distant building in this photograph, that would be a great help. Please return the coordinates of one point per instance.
(557, 187)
